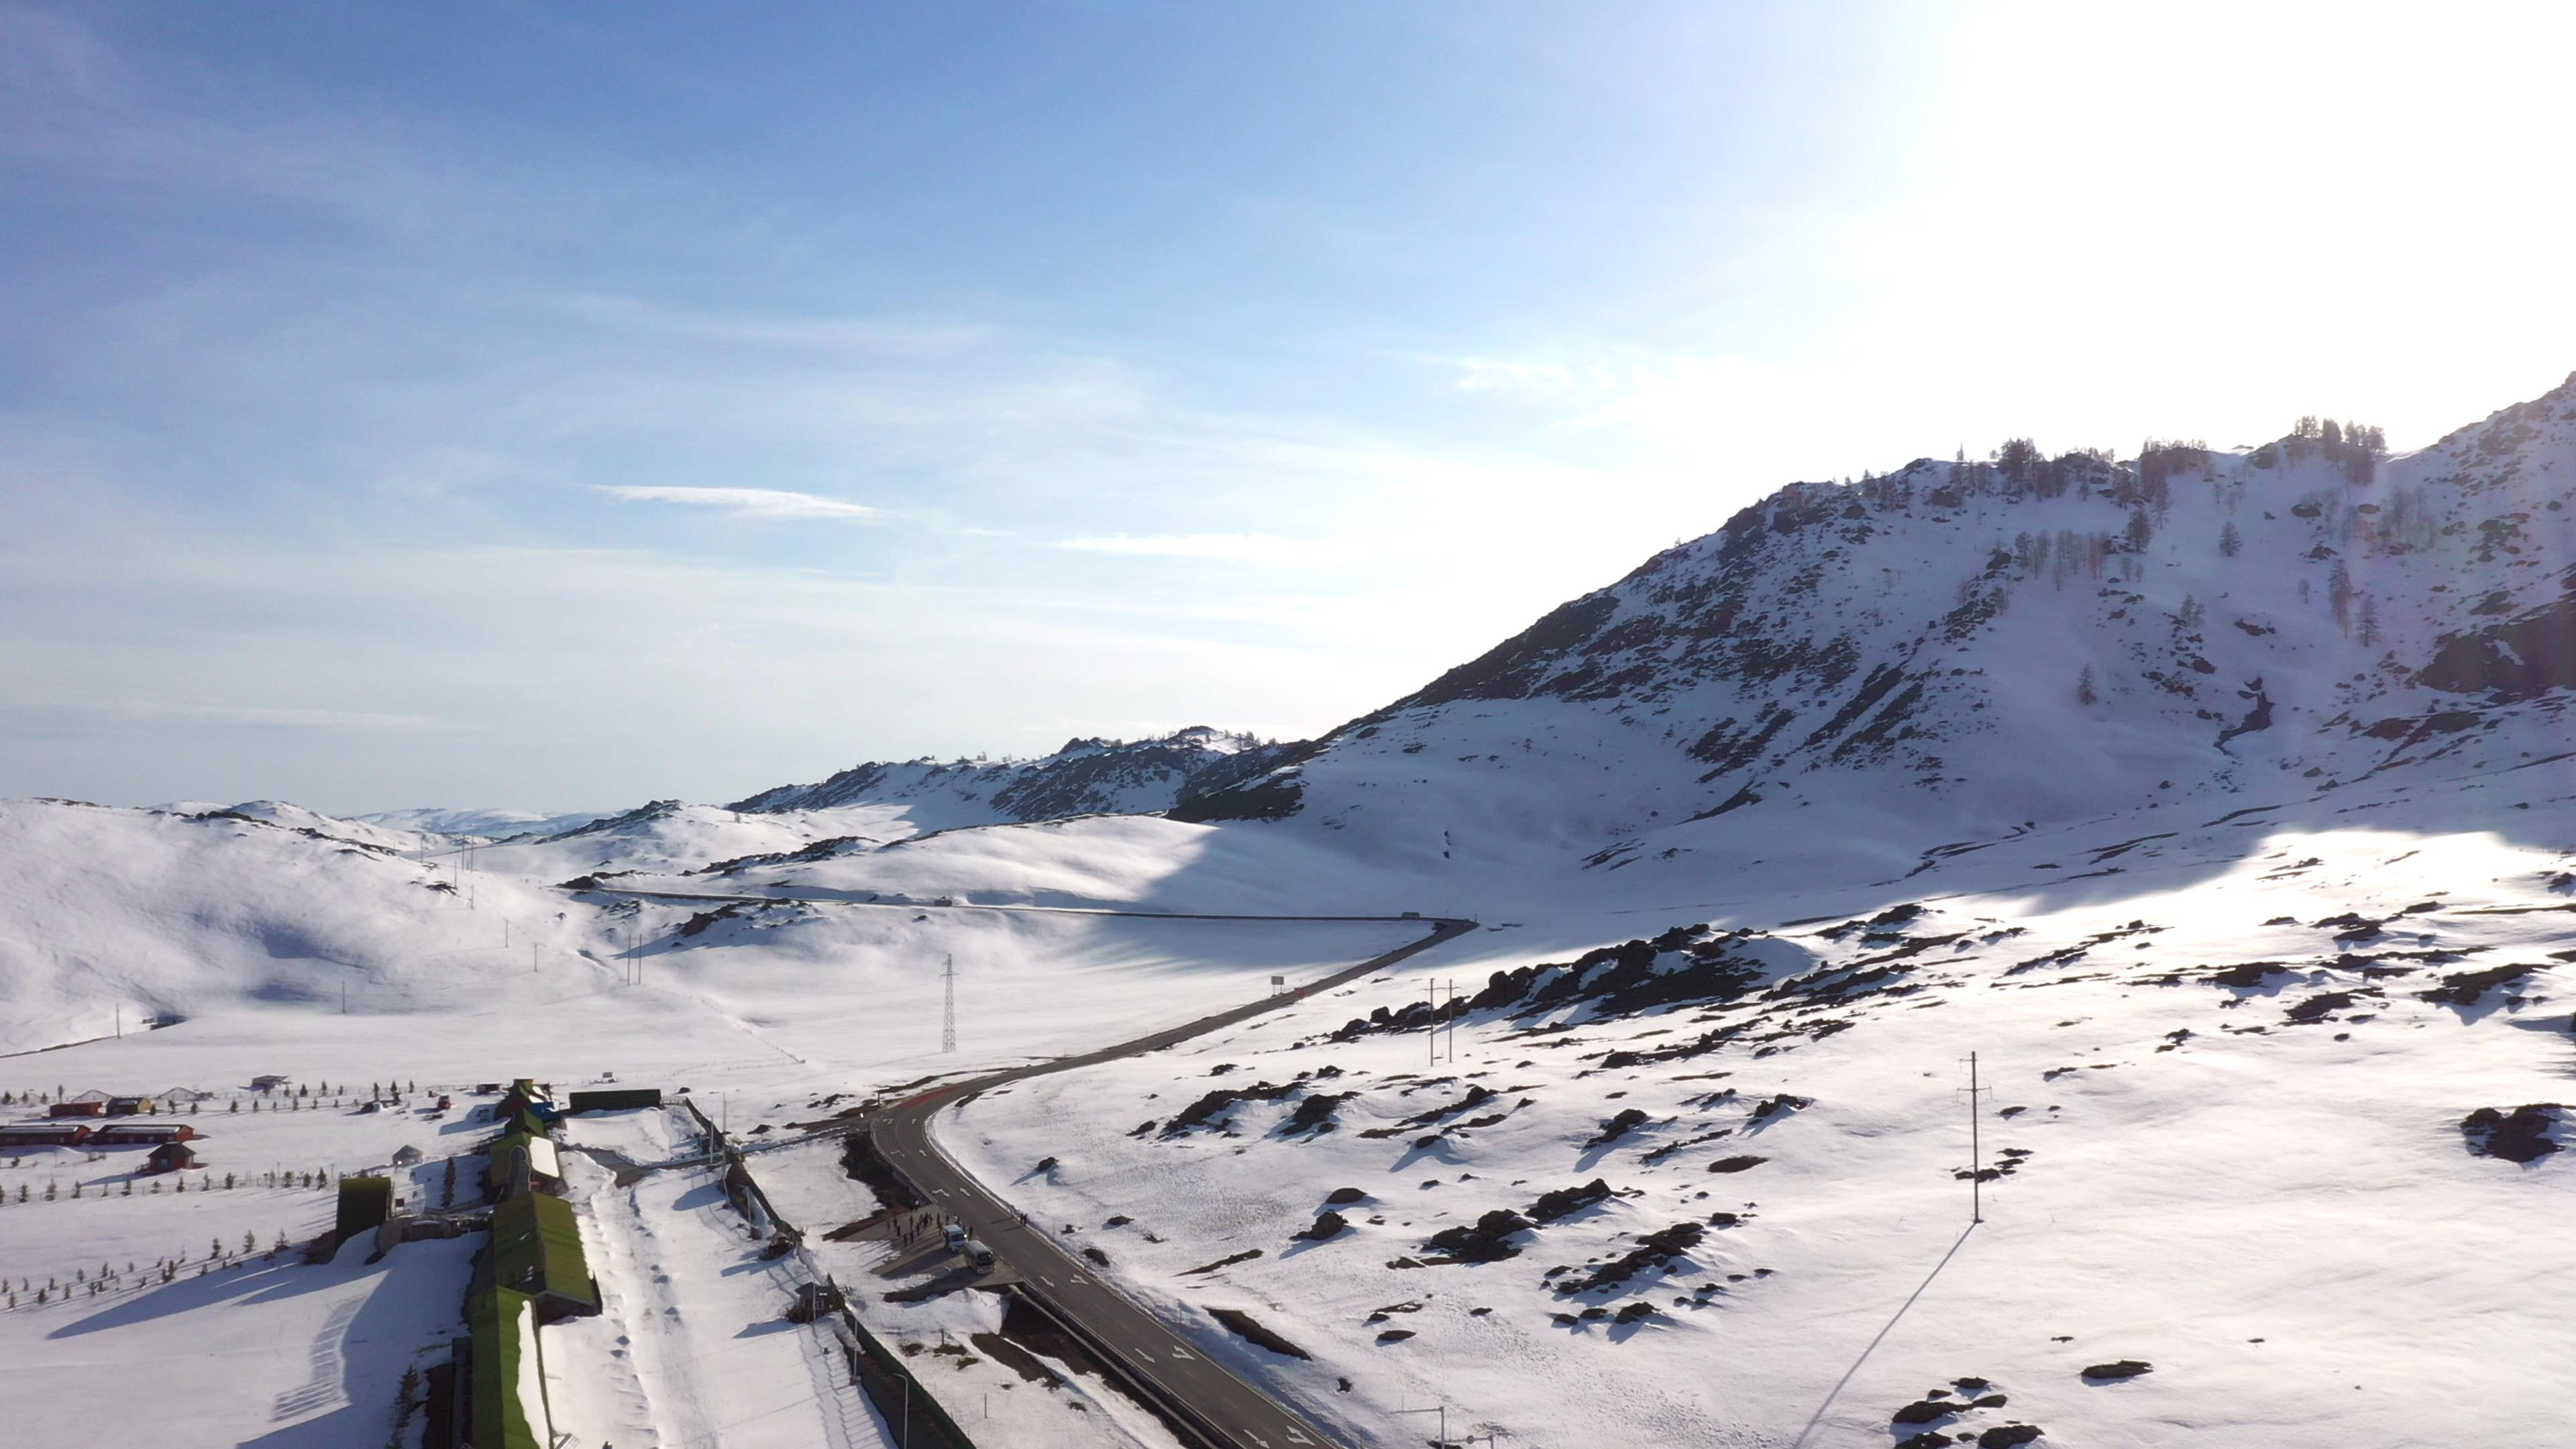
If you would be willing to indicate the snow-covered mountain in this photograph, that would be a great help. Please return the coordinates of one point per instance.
(1975, 647)
(2214, 800)
(492, 824)
(1085, 777)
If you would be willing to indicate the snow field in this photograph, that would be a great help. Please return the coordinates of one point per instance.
(261, 1350)
(2278, 1184)
(691, 1346)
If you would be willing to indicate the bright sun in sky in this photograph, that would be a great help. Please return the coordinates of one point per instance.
(543, 406)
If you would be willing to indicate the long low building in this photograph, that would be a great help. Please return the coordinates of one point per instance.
(45, 1134)
(616, 1099)
(141, 1134)
(505, 1379)
(536, 1250)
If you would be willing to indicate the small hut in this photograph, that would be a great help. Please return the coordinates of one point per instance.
(171, 1157)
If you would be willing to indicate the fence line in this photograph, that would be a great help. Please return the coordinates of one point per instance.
(908, 1407)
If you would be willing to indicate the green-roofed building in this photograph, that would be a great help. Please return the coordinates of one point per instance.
(536, 1250)
(504, 1159)
(506, 1393)
(365, 1202)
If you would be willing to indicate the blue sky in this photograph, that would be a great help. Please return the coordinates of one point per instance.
(559, 406)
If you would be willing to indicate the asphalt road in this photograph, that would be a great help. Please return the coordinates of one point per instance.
(1147, 1349)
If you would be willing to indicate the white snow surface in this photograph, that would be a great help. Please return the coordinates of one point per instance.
(2269, 817)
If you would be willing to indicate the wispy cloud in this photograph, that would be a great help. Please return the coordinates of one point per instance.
(1225, 547)
(772, 503)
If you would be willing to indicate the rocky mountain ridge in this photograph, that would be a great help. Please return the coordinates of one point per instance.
(2009, 641)
(1085, 776)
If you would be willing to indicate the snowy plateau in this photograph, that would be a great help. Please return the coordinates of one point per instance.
(2216, 801)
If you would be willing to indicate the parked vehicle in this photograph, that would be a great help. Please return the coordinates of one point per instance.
(977, 1256)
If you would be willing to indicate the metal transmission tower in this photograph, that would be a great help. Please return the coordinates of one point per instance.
(948, 1022)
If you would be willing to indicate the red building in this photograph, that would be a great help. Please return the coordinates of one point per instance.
(131, 1134)
(172, 1157)
(44, 1134)
(77, 1109)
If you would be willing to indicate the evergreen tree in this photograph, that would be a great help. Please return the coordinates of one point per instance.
(2141, 530)
(2369, 622)
(2230, 542)
(2084, 691)
(2339, 594)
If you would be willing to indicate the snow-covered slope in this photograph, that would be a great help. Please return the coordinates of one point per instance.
(1954, 650)
(483, 824)
(2266, 1117)
(1086, 777)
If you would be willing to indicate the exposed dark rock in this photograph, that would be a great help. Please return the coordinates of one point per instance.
(1486, 1241)
(2314, 1009)
(1737, 1164)
(2007, 1436)
(1778, 1105)
(1328, 1224)
(2463, 988)
(2127, 1368)
(1215, 1109)
(1344, 1196)
(2527, 655)
(1567, 1200)
(1246, 1256)
(2522, 1135)
(1315, 1114)
(1628, 1120)
(1250, 1331)
(1654, 1250)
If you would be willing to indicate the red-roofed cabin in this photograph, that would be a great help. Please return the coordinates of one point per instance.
(77, 1109)
(172, 1157)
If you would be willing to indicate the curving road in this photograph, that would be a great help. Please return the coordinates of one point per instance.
(1232, 1411)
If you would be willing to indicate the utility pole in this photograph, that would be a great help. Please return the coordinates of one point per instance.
(1976, 1150)
(1431, 1027)
(120, 1021)
(948, 1021)
(1453, 1020)
(1443, 1412)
